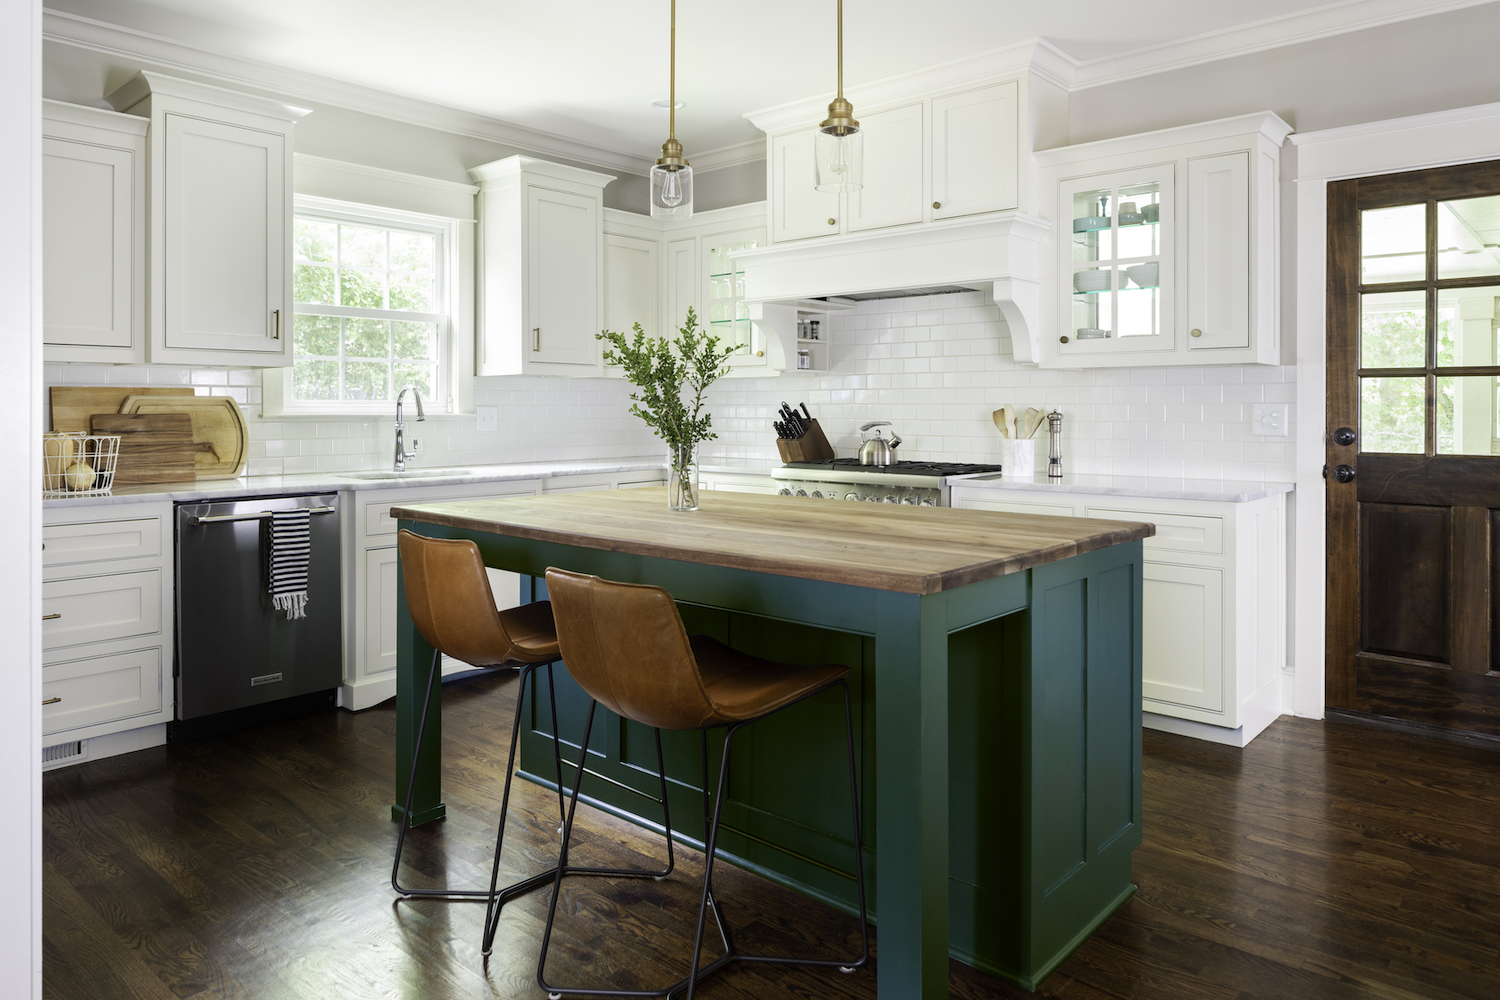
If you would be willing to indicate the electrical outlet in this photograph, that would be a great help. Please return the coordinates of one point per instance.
(1269, 419)
(486, 418)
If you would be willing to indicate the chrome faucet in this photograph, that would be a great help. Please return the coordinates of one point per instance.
(401, 453)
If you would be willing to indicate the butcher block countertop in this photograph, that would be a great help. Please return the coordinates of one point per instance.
(913, 550)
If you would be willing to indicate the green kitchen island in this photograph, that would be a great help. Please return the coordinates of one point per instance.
(996, 678)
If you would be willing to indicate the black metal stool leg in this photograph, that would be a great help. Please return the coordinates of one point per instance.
(411, 783)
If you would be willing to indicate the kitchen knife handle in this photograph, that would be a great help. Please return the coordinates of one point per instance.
(805, 413)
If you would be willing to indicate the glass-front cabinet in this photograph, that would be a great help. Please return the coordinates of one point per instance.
(1118, 271)
(728, 312)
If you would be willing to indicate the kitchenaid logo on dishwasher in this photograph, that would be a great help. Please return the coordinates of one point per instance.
(264, 679)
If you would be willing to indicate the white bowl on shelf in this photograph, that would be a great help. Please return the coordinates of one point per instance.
(1093, 280)
(1090, 333)
(1145, 275)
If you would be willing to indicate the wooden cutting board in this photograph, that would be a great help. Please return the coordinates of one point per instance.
(218, 428)
(154, 448)
(72, 405)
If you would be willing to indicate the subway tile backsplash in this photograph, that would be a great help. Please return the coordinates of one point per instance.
(937, 366)
(934, 366)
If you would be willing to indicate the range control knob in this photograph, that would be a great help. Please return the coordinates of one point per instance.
(910, 499)
(817, 494)
(800, 493)
(872, 498)
(892, 498)
(784, 492)
(928, 503)
(851, 496)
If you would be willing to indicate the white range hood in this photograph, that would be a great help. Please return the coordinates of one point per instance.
(997, 251)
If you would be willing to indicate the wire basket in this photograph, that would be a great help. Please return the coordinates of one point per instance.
(79, 465)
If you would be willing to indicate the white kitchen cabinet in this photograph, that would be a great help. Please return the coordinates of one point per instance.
(738, 482)
(93, 235)
(219, 212)
(798, 210)
(106, 629)
(541, 265)
(631, 283)
(1212, 248)
(1214, 618)
(974, 151)
(683, 287)
(928, 157)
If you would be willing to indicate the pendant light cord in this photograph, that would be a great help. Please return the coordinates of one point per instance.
(841, 46)
(672, 76)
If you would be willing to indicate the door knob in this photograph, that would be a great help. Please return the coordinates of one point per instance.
(1344, 436)
(1343, 473)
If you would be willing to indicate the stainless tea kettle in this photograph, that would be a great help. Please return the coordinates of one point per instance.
(878, 450)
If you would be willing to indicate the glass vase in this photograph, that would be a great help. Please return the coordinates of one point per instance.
(682, 477)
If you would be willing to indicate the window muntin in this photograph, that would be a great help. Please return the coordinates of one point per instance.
(371, 311)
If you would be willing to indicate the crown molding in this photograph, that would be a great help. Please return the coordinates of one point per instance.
(83, 32)
(728, 156)
(382, 174)
(1292, 29)
(1458, 135)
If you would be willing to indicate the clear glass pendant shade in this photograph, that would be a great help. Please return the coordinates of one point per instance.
(672, 191)
(840, 160)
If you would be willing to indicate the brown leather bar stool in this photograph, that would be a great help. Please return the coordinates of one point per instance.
(625, 645)
(450, 602)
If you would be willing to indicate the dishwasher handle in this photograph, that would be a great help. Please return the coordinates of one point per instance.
(258, 516)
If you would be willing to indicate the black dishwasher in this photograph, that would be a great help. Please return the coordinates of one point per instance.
(239, 660)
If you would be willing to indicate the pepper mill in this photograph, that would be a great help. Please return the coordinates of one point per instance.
(1054, 445)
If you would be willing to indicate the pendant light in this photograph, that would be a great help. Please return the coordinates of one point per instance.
(839, 146)
(671, 175)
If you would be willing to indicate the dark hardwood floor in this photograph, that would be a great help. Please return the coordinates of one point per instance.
(1325, 861)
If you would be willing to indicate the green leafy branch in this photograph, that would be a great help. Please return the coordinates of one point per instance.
(660, 369)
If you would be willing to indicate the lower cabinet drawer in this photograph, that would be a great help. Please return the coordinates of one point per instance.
(75, 544)
(101, 689)
(1174, 532)
(1010, 506)
(97, 608)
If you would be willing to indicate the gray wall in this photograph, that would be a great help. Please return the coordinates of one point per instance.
(1414, 67)
(83, 76)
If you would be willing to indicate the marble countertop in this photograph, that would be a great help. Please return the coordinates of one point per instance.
(1228, 490)
(329, 482)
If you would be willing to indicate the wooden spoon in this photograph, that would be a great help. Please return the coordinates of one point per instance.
(1033, 421)
(999, 417)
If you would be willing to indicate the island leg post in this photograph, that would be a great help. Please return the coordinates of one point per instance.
(911, 704)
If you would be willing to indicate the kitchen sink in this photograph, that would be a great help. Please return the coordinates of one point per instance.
(416, 473)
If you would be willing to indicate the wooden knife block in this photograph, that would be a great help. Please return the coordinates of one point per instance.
(812, 446)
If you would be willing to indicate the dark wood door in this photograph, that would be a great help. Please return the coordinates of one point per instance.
(1413, 477)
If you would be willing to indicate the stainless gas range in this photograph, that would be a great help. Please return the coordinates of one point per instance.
(920, 484)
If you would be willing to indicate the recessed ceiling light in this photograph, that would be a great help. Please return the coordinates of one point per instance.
(661, 105)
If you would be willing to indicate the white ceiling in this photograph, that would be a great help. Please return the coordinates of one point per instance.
(588, 70)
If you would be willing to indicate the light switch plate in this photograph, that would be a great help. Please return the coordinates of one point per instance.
(486, 418)
(1269, 419)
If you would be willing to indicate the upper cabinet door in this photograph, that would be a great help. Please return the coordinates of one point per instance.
(1218, 251)
(562, 267)
(629, 284)
(974, 149)
(798, 210)
(892, 195)
(683, 287)
(225, 239)
(93, 287)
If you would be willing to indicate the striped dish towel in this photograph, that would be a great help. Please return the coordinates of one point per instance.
(287, 560)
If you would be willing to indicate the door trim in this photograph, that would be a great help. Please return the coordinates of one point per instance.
(1444, 138)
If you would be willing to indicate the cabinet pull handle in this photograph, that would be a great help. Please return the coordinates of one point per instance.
(55, 614)
(537, 333)
(1062, 340)
(277, 334)
(52, 701)
(1196, 332)
(833, 222)
(937, 204)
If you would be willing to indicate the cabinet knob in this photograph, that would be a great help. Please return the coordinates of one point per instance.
(937, 204)
(759, 354)
(1062, 340)
(833, 222)
(1195, 332)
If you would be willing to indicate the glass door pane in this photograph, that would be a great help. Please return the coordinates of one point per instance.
(1469, 237)
(1393, 330)
(1117, 261)
(1392, 414)
(1393, 244)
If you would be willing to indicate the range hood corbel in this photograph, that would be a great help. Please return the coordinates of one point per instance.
(998, 252)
